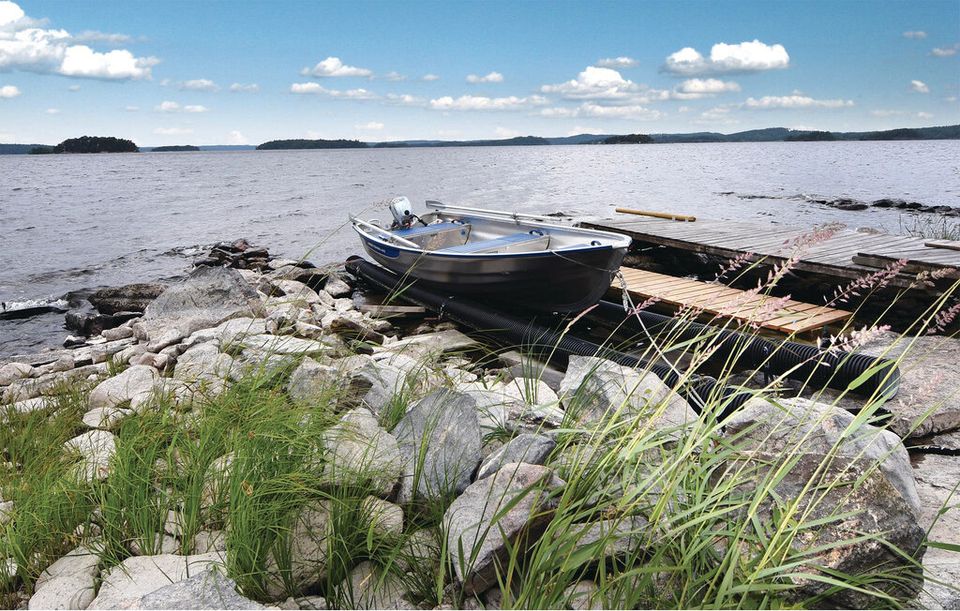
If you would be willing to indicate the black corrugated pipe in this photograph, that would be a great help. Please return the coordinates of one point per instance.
(835, 369)
(479, 317)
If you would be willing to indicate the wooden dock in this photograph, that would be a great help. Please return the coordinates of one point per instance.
(845, 253)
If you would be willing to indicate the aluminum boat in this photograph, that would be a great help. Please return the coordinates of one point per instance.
(522, 259)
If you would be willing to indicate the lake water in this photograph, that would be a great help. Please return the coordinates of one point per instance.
(82, 221)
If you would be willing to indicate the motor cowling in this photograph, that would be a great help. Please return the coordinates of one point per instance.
(402, 212)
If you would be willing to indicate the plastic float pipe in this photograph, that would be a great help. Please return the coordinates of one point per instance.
(660, 215)
(479, 317)
(835, 369)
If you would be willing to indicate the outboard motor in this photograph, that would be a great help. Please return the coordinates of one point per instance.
(401, 210)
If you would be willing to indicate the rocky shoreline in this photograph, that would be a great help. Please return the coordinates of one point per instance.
(464, 458)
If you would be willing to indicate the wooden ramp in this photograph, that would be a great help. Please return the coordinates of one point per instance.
(785, 316)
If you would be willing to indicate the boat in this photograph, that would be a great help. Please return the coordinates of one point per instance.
(525, 260)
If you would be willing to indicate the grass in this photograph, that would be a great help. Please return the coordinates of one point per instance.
(692, 517)
(931, 228)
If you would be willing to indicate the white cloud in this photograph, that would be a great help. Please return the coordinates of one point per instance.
(595, 84)
(195, 108)
(200, 84)
(472, 102)
(505, 132)
(769, 102)
(235, 137)
(10, 13)
(173, 131)
(7, 137)
(915, 34)
(919, 87)
(132, 108)
(170, 106)
(449, 133)
(404, 99)
(924, 115)
(332, 66)
(119, 64)
(95, 36)
(370, 126)
(53, 111)
(430, 77)
(9, 91)
(617, 62)
(394, 76)
(241, 88)
(887, 113)
(317, 89)
(73, 88)
(752, 56)
(493, 77)
(597, 111)
(945, 51)
(710, 86)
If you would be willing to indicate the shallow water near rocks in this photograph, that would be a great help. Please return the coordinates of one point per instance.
(79, 221)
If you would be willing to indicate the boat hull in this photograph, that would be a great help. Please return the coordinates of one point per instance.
(565, 281)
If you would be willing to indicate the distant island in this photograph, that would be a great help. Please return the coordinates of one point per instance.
(90, 144)
(174, 149)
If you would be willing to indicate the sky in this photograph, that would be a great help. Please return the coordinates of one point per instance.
(217, 72)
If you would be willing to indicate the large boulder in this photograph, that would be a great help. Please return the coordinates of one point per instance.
(95, 450)
(595, 388)
(127, 298)
(209, 589)
(369, 587)
(528, 448)
(494, 514)
(68, 583)
(209, 296)
(358, 451)
(205, 362)
(791, 425)
(845, 516)
(312, 380)
(439, 440)
(125, 585)
(130, 388)
(937, 478)
(298, 560)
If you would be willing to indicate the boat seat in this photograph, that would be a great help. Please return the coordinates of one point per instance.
(517, 242)
(428, 229)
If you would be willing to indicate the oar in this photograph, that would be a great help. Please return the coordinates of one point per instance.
(659, 215)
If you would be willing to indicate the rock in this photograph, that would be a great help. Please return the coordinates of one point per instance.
(106, 418)
(929, 374)
(272, 344)
(791, 425)
(205, 361)
(165, 337)
(358, 451)
(216, 481)
(209, 589)
(311, 380)
(209, 296)
(526, 448)
(432, 343)
(12, 372)
(88, 324)
(888, 203)
(6, 512)
(937, 478)
(126, 585)
(594, 388)
(101, 352)
(228, 332)
(129, 353)
(491, 515)
(207, 541)
(845, 203)
(128, 298)
(122, 332)
(25, 407)
(95, 448)
(439, 440)
(619, 536)
(64, 363)
(133, 386)
(161, 544)
(377, 383)
(583, 595)
(530, 391)
(369, 587)
(307, 553)
(420, 553)
(298, 292)
(851, 503)
(68, 583)
(318, 603)
(336, 287)
(385, 518)
(48, 384)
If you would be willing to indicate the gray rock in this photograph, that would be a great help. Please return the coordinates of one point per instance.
(297, 292)
(527, 448)
(205, 361)
(336, 287)
(64, 363)
(168, 336)
(125, 585)
(128, 298)
(106, 418)
(377, 383)
(95, 449)
(12, 372)
(121, 332)
(595, 388)
(439, 440)
(385, 518)
(131, 387)
(207, 541)
(369, 587)
(209, 296)
(432, 343)
(272, 344)
(305, 549)
(228, 332)
(68, 583)
(491, 515)
(619, 536)
(311, 379)
(937, 478)
(583, 595)
(48, 384)
(209, 589)
(791, 425)
(358, 451)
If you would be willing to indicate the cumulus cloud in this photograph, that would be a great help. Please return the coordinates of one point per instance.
(317, 89)
(617, 62)
(404, 99)
(170, 106)
(924, 115)
(430, 77)
(242, 88)
(173, 131)
(370, 126)
(73, 88)
(945, 51)
(95, 36)
(236, 137)
(394, 76)
(52, 111)
(332, 66)
(493, 77)
(25, 45)
(200, 84)
(709, 86)
(770, 102)
(915, 34)
(752, 56)
(9, 91)
(595, 83)
(506, 132)
(473, 102)
(919, 87)
(597, 111)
